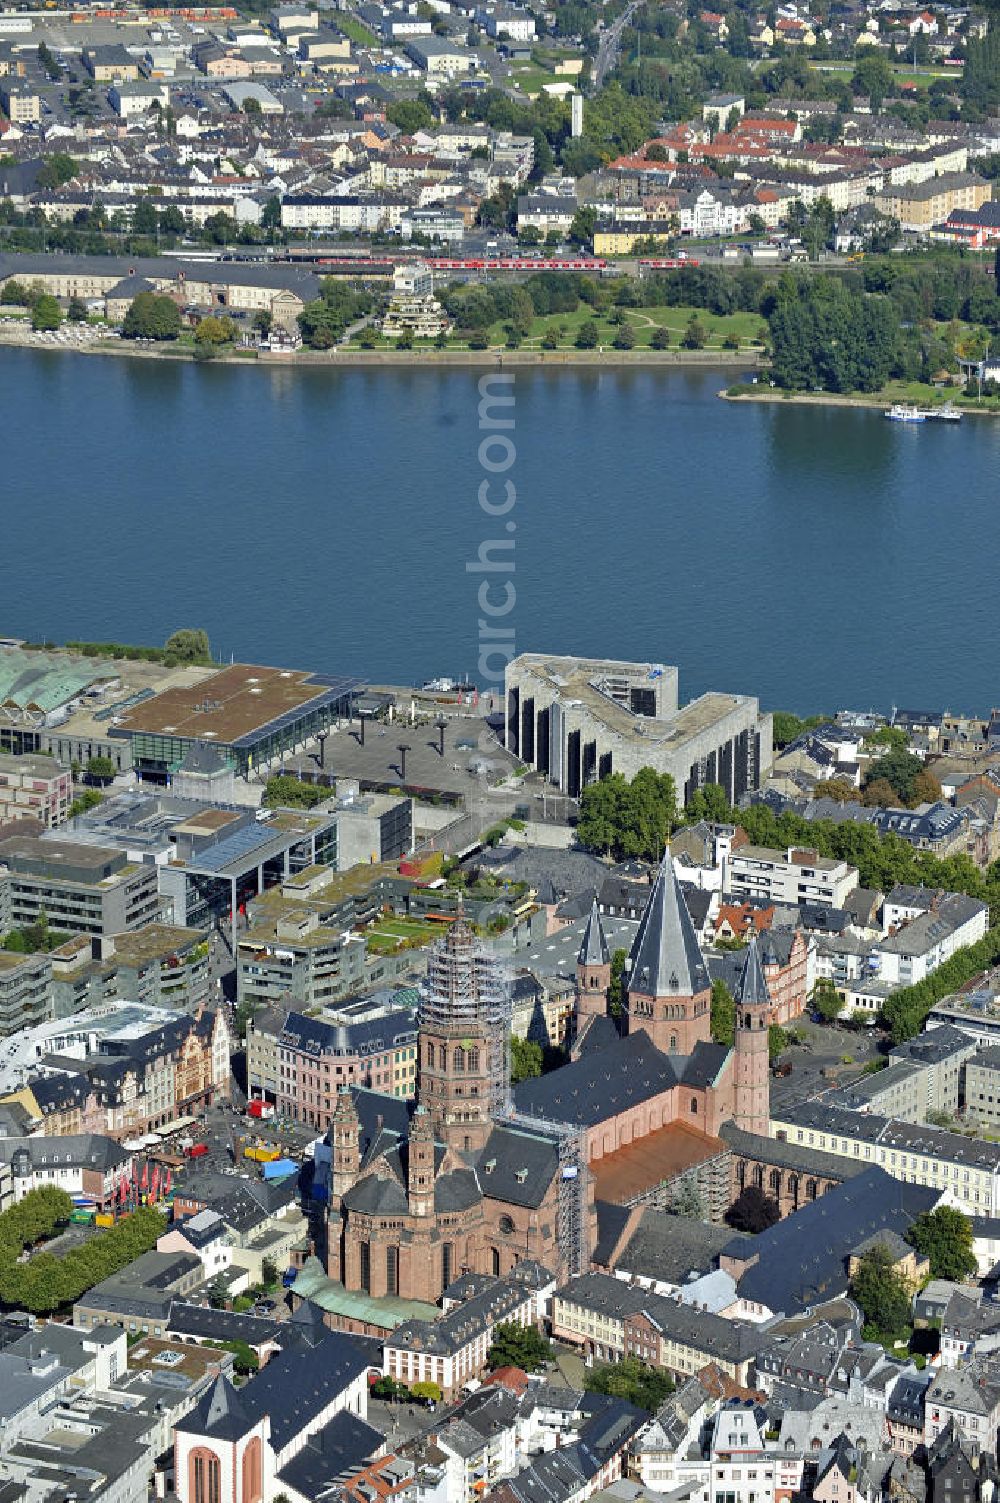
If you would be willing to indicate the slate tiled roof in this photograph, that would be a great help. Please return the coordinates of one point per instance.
(221, 1414)
(600, 1085)
(665, 958)
(297, 1384)
(751, 988)
(671, 1248)
(598, 1035)
(342, 1446)
(802, 1261)
(594, 949)
(704, 1064)
(517, 1167)
(221, 1325)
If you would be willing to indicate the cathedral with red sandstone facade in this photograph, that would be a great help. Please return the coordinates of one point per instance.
(473, 1178)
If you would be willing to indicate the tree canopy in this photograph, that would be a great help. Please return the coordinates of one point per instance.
(56, 169)
(101, 769)
(882, 1293)
(188, 645)
(46, 313)
(44, 1283)
(723, 1013)
(628, 819)
(944, 1236)
(753, 1211)
(787, 727)
(826, 1000)
(525, 1059)
(284, 791)
(411, 115)
(518, 1346)
(825, 335)
(152, 316)
(616, 988)
(338, 306)
(900, 769)
(631, 1379)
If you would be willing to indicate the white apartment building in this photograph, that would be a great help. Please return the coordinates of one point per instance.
(964, 1171)
(791, 877)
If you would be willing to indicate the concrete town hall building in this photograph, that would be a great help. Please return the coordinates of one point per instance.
(472, 1180)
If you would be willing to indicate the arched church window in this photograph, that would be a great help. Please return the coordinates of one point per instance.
(205, 1474)
(506, 1225)
(458, 1059)
(251, 1472)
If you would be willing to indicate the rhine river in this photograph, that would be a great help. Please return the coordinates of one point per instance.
(816, 557)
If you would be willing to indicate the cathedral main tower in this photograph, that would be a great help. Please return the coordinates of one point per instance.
(463, 1071)
(669, 991)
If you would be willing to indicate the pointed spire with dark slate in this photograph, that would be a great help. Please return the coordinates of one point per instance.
(222, 1413)
(309, 1323)
(594, 949)
(665, 959)
(751, 989)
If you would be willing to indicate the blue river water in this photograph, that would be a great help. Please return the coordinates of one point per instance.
(324, 518)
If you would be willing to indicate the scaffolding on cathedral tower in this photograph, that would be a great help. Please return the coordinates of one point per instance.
(467, 984)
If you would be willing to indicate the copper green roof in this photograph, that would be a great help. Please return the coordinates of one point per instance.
(46, 680)
(386, 1313)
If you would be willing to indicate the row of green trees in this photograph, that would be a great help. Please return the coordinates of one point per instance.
(45, 1283)
(905, 1011)
(394, 1390)
(186, 645)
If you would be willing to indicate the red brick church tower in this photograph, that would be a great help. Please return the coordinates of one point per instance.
(462, 1042)
(752, 1109)
(669, 990)
(593, 969)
